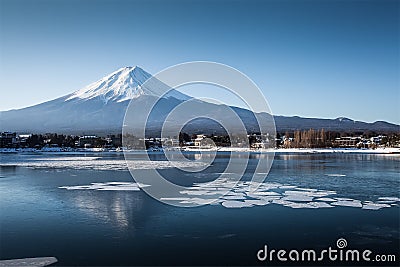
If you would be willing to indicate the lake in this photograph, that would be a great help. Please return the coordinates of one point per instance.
(85, 209)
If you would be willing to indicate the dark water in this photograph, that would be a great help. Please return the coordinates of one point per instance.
(93, 227)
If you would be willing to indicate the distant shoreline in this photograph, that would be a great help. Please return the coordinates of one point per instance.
(387, 150)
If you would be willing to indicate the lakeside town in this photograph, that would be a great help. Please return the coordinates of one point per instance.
(311, 139)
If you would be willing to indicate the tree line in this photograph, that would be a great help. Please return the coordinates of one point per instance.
(297, 139)
(323, 139)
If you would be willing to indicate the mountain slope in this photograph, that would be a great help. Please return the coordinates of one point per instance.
(100, 108)
(339, 124)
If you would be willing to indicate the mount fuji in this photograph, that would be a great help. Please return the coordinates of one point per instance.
(100, 108)
(121, 85)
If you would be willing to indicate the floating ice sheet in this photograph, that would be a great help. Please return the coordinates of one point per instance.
(236, 204)
(321, 205)
(348, 203)
(93, 163)
(374, 206)
(258, 202)
(264, 193)
(287, 186)
(298, 198)
(235, 197)
(110, 186)
(198, 201)
(395, 199)
(326, 199)
(241, 194)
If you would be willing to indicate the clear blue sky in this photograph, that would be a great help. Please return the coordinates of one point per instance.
(311, 58)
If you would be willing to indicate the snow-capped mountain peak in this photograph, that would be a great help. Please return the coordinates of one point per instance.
(123, 84)
(100, 108)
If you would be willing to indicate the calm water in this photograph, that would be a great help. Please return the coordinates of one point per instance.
(308, 201)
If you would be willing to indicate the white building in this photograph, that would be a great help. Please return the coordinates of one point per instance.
(199, 139)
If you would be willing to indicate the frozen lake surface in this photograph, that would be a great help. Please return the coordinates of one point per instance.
(85, 209)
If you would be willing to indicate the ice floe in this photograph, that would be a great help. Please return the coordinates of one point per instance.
(368, 205)
(394, 199)
(348, 203)
(198, 201)
(258, 202)
(110, 186)
(94, 163)
(233, 194)
(175, 198)
(325, 199)
(234, 197)
(321, 205)
(264, 193)
(287, 186)
(298, 198)
(236, 204)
